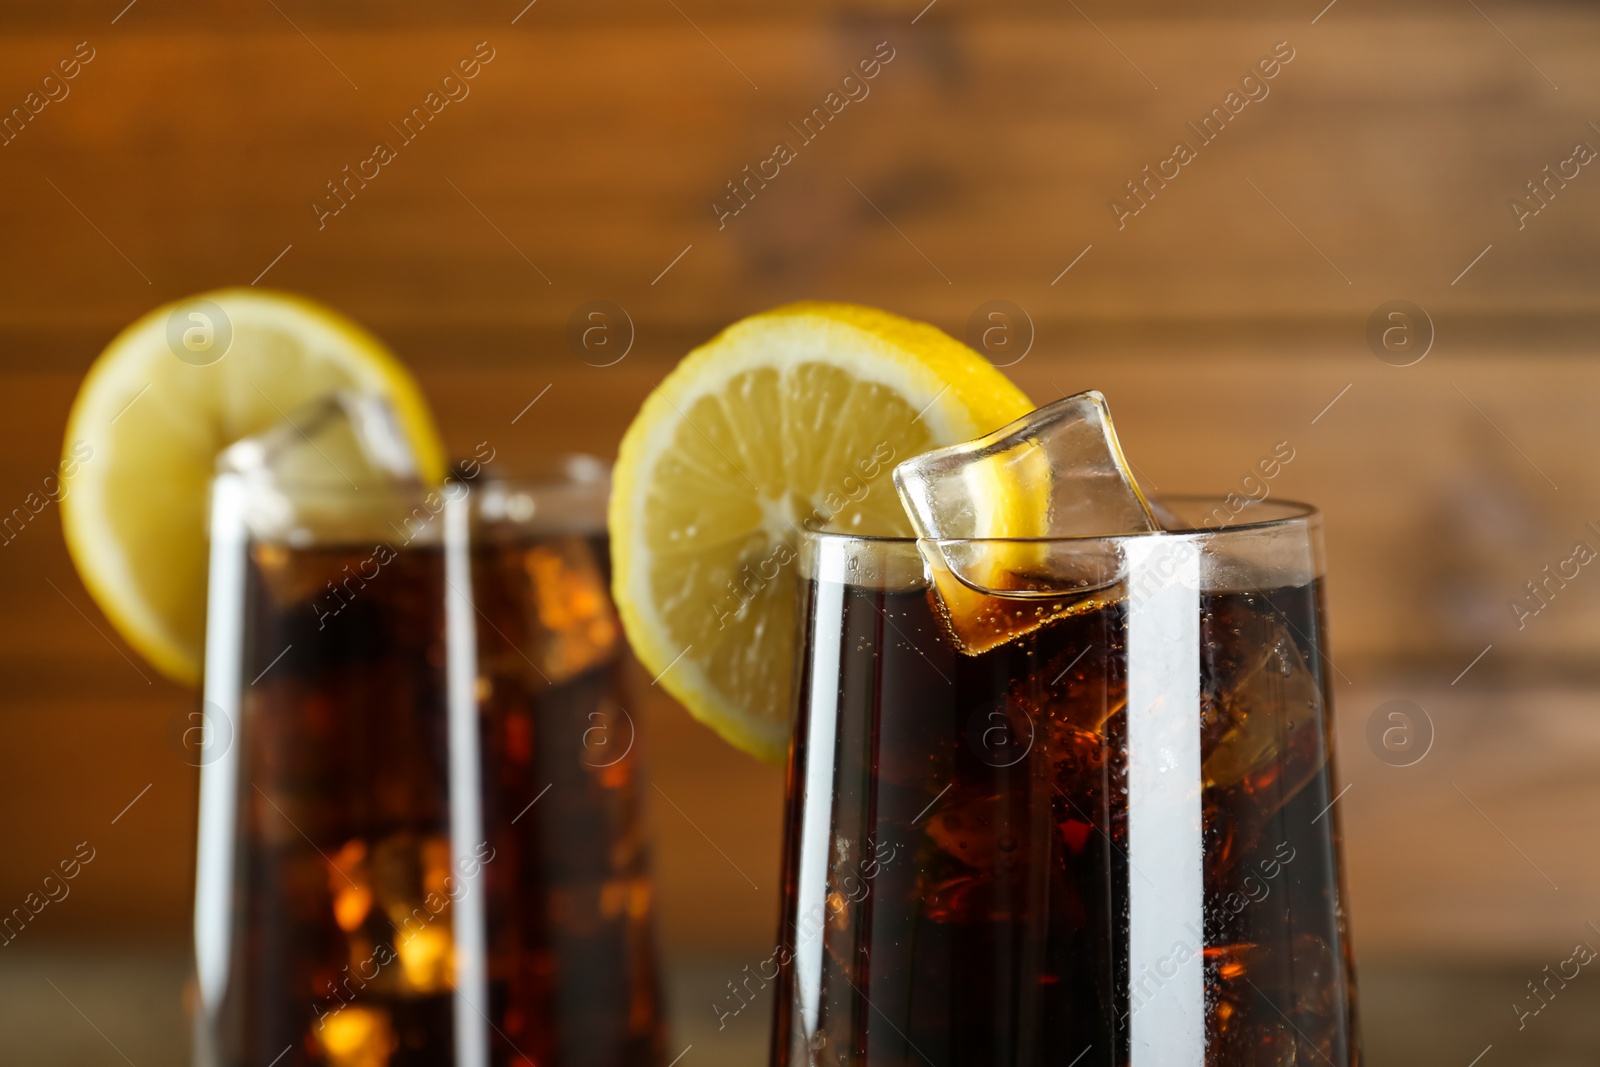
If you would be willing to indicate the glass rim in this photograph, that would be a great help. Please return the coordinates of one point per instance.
(597, 480)
(328, 487)
(1296, 513)
(570, 499)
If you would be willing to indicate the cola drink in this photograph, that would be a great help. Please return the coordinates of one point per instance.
(975, 858)
(403, 892)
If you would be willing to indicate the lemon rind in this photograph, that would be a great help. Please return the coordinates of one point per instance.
(956, 390)
(101, 566)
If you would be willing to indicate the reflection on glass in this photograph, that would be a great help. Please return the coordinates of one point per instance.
(423, 845)
(1102, 834)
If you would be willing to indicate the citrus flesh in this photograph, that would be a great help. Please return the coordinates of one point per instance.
(169, 393)
(788, 420)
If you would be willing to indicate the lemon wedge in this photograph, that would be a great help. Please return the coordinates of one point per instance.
(169, 393)
(789, 419)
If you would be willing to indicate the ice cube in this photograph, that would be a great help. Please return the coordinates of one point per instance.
(306, 448)
(339, 465)
(1261, 710)
(1255, 987)
(576, 619)
(1057, 473)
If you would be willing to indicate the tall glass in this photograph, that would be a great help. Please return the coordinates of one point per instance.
(419, 823)
(1082, 814)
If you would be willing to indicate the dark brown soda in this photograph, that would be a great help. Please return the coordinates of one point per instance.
(977, 898)
(345, 884)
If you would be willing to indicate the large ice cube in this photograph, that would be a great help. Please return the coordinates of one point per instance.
(1057, 473)
(345, 438)
(340, 465)
(556, 616)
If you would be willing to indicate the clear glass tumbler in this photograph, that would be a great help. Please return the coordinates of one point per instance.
(1078, 813)
(419, 824)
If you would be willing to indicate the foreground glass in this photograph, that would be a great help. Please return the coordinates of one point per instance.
(1107, 838)
(419, 825)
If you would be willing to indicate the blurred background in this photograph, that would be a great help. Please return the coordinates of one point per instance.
(1434, 154)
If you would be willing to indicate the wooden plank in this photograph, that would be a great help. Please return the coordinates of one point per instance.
(597, 151)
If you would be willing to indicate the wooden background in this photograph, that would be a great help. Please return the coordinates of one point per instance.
(1224, 318)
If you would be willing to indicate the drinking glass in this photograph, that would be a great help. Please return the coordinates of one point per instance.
(1066, 802)
(419, 833)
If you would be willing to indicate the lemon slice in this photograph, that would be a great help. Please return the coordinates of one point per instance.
(169, 393)
(787, 419)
